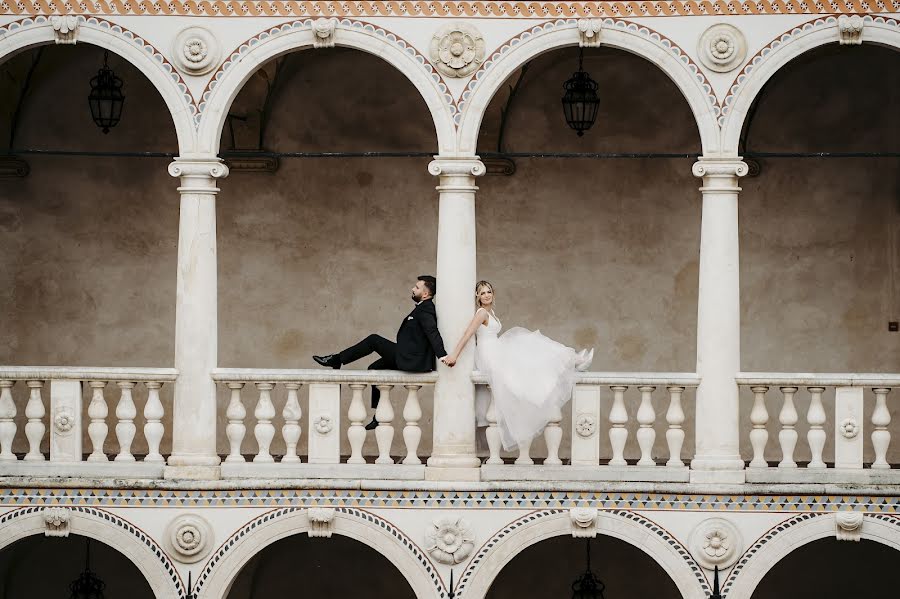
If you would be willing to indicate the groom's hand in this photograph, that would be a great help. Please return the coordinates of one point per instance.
(448, 361)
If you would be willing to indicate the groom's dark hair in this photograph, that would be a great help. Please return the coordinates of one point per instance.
(430, 283)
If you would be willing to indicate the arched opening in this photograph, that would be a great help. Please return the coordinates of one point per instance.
(24, 566)
(89, 236)
(319, 568)
(551, 567)
(595, 250)
(323, 251)
(800, 574)
(820, 279)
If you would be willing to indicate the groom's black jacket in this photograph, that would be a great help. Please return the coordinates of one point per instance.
(419, 342)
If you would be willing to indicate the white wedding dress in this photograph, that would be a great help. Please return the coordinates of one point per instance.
(530, 377)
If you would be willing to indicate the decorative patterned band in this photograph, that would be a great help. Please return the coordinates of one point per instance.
(474, 9)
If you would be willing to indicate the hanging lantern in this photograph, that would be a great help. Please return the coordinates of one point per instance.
(588, 586)
(580, 102)
(106, 98)
(87, 585)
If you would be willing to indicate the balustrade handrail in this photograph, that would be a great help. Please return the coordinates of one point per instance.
(628, 379)
(275, 375)
(87, 373)
(829, 379)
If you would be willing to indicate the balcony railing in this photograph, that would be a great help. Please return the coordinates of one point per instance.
(795, 428)
(836, 446)
(599, 411)
(396, 457)
(61, 453)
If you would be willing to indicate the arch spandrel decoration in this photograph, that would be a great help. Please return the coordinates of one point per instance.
(793, 533)
(107, 528)
(781, 51)
(625, 525)
(223, 566)
(37, 31)
(622, 34)
(296, 35)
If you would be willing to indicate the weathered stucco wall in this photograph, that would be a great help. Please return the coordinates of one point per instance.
(596, 253)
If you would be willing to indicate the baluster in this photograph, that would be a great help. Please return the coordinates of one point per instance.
(97, 429)
(618, 434)
(384, 432)
(759, 416)
(35, 428)
(264, 429)
(235, 429)
(646, 417)
(153, 428)
(788, 436)
(524, 458)
(412, 434)
(815, 416)
(7, 424)
(291, 429)
(356, 434)
(125, 429)
(492, 434)
(675, 434)
(881, 437)
(553, 439)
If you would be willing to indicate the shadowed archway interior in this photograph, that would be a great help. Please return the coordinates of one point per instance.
(39, 566)
(548, 569)
(832, 569)
(313, 567)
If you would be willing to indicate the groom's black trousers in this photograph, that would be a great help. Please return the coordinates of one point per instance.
(377, 344)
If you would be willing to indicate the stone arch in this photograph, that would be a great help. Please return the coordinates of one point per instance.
(616, 33)
(792, 534)
(223, 566)
(781, 51)
(105, 527)
(292, 36)
(37, 31)
(626, 526)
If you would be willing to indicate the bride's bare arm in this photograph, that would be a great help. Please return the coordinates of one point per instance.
(479, 319)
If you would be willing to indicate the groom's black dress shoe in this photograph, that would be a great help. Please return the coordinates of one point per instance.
(330, 361)
(372, 425)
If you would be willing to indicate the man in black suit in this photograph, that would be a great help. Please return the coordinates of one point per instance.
(418, 344)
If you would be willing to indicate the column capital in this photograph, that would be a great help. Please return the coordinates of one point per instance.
(198, 174)
(443, 166)
(720, 167)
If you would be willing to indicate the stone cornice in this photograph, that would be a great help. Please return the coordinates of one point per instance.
(454, 9)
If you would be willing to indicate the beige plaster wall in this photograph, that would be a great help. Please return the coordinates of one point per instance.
(596, 253)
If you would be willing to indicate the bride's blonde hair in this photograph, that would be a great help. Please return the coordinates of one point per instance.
(478, 287)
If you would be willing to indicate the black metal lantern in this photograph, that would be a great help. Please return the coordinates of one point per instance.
(581, 102)
(87, 585)
(106, 97)
(588, 586)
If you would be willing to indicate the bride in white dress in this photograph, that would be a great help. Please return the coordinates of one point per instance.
(530, 375)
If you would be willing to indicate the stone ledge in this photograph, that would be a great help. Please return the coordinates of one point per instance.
(270, 471)
(511, 472)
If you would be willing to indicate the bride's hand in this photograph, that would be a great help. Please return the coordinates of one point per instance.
(448, 361)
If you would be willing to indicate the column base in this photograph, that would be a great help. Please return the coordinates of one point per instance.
(192, 472)
(440, 473)
(455, 460)
(718, 469)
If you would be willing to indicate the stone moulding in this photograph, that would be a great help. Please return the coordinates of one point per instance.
(480, 9)
(722, 48)
(457, 50)
(716, 542)
(58, 520)
(848, 526)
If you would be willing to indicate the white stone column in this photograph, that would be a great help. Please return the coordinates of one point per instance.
(196, 323)
(717, 457)
(453, 451)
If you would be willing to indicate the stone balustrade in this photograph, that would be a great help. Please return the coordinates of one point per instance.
(837, 448)
(63, 452)
(250, 392)
(599, 410)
